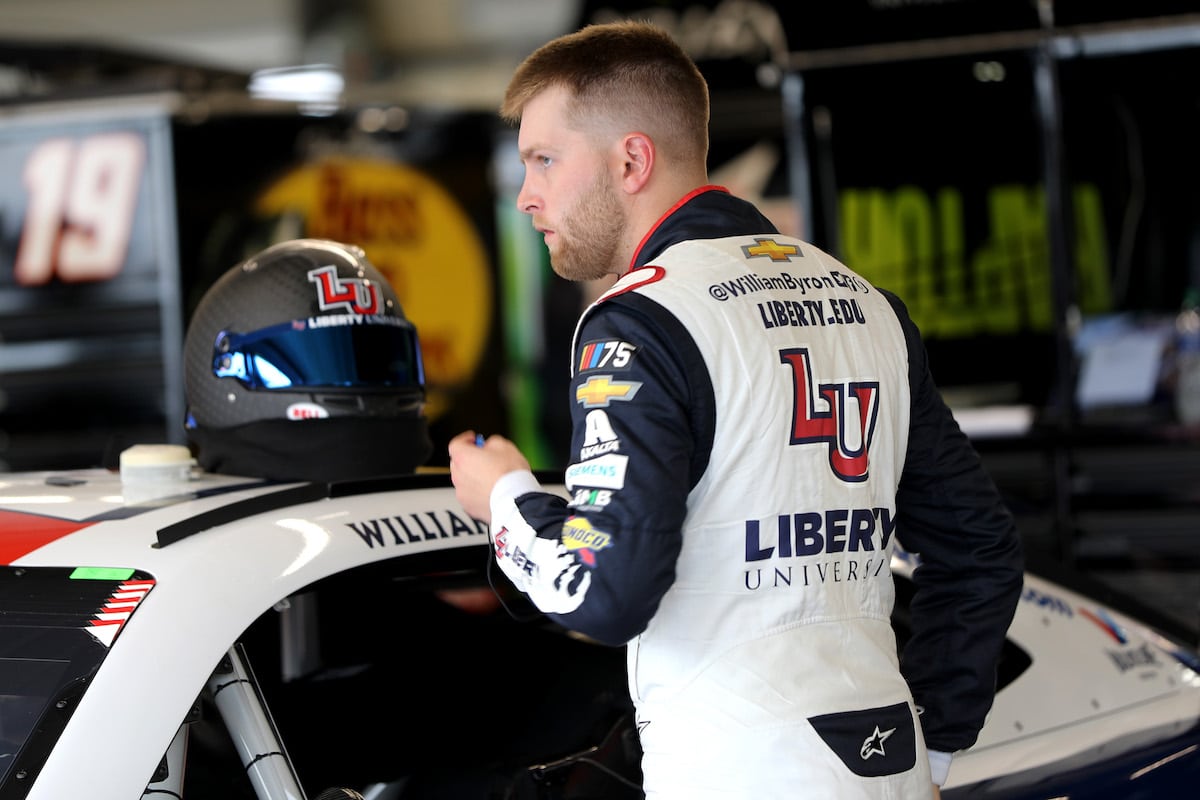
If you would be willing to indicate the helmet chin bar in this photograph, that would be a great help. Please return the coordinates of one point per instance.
(359, 402)
(351, 447)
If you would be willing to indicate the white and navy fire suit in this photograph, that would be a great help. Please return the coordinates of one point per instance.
(754, 429)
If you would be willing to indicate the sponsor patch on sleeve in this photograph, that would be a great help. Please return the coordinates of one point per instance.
(606, 354)
(599, 391)
(583, 540)
(603, 472)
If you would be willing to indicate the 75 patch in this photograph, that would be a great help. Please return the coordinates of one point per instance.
(605, 354)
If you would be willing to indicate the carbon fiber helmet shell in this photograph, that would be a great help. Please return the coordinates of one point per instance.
(291, 281)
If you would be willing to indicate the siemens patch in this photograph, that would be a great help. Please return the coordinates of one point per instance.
(605, 472)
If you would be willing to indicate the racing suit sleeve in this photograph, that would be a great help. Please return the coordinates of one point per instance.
(970, 568)
(600, 561)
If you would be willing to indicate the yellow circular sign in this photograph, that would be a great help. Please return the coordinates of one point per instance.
(416, 233)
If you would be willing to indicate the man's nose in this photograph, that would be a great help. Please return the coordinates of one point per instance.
(526, 200)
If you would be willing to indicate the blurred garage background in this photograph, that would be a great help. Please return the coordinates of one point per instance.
(1023, 172)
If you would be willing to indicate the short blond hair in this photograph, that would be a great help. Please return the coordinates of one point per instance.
(629, 75)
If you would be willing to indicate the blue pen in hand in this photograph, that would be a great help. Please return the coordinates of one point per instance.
(479, 440)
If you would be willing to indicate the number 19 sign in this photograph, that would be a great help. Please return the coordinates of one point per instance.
(89, 277)
(77, 200)
(82, 195)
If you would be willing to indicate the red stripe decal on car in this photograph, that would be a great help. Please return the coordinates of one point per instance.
(21, 533)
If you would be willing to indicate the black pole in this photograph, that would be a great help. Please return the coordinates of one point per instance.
(1060, 237)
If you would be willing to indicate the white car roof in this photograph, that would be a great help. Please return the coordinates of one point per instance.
(221, 551)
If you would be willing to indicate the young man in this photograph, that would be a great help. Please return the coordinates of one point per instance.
(754, 428)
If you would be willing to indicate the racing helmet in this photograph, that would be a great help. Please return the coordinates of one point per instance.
(299, 363)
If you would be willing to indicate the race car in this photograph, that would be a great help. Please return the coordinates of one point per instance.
(211, 636)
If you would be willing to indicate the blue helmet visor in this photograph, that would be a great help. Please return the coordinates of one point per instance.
(332, 352)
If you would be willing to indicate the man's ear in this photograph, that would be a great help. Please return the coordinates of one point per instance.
(638, 156)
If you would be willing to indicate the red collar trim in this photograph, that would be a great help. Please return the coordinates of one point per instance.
(693, 193)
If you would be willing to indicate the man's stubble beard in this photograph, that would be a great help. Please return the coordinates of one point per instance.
(589, 245)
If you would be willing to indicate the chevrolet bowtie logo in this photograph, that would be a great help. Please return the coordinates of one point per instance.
(602, 389)
(771, 249)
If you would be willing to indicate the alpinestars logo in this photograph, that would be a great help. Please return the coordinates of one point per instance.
(889, 749)
(356, 295)
(851, 403)
(873, 744)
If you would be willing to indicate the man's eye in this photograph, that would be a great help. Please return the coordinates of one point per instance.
(545, 160)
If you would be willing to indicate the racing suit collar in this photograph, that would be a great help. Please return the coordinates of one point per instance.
(707, 212)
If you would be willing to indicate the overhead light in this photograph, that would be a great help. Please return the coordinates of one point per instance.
(317, 85)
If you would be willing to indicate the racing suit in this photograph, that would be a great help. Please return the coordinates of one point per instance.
(754, 430)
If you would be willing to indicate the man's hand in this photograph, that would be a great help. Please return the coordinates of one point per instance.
(937, 792)
(475, 468)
